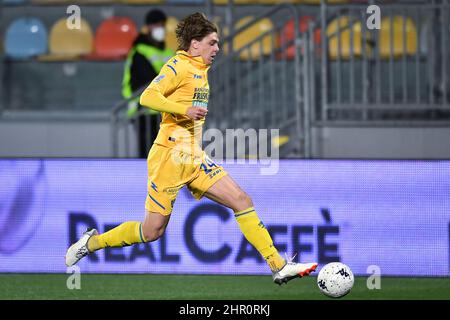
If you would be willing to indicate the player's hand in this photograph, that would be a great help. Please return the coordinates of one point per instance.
(196, 113)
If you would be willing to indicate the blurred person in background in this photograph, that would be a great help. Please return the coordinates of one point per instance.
(145, 60)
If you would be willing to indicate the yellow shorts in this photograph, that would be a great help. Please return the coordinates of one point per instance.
(169, 170)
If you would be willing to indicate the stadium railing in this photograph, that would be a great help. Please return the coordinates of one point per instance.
(353, 76)
(397, 76)
(244, 88)
(121, 127)
(405, 85)
(255, 86)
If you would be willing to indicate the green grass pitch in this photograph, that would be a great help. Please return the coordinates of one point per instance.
(206, 287)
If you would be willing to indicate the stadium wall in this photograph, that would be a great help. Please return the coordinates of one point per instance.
(82, 138)
(393, 215)
(381, 143)
(50, 138)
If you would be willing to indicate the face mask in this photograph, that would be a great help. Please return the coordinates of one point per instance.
(159, 34)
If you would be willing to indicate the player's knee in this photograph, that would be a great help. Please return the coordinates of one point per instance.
(152, 234)
(244, 201)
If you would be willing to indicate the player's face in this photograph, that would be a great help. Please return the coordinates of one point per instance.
(209, 47)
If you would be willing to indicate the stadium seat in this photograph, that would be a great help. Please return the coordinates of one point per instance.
(328, 1)
(49, 1)
(275, 2)
(401, 29)
(187, 2)
(95, 1)
(13, 2)
(343, 38)
(424, 37)
(279, 141)
(250, 34)
(113, 39)
(43, 2)
(25, 38)
(225, 2)
(69, 44)
(171, 38)
(141, 1)
(288, 35)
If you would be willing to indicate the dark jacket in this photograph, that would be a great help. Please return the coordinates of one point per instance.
(142, 71)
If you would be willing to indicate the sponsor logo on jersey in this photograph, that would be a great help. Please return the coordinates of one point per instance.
(200, 97)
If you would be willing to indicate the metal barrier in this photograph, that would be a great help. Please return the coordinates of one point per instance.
(121, 122)
(402, 66)
(261, 90)
(350, 76)
(392, 76)
(245, 93)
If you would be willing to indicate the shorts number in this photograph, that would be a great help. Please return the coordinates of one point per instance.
(210, 164)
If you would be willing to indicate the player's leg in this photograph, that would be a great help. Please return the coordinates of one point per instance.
(228, 193)
(214, 182)
(125, 234)
(154, 225)
(131, 232)
(158, 207)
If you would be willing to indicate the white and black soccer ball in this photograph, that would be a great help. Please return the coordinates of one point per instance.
(335, 279)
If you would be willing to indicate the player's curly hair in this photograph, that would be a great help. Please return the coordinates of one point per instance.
(195, 26)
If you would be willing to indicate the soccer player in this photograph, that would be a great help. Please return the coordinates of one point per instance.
(176, 159)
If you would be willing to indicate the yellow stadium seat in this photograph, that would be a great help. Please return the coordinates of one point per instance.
(95, 1)
(279, 141)
(171, 38)
(401, 29)
(343, 38)
(49, 1)
(250, 34)
(275, 2)
(69, 44)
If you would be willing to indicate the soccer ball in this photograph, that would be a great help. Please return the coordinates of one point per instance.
(335, 280)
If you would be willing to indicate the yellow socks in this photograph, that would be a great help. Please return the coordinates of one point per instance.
(256, 233)
(126, 234)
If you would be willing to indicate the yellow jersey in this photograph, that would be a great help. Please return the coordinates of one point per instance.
(181, 83)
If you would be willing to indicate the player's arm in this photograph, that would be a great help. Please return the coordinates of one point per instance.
(154, 96)
(165, 83)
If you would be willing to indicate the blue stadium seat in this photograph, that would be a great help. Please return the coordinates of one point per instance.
(25, 38)
(8, 2)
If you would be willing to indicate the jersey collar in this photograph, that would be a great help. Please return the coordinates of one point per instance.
(197, 60)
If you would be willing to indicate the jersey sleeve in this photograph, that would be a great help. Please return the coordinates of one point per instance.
(168, 80)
